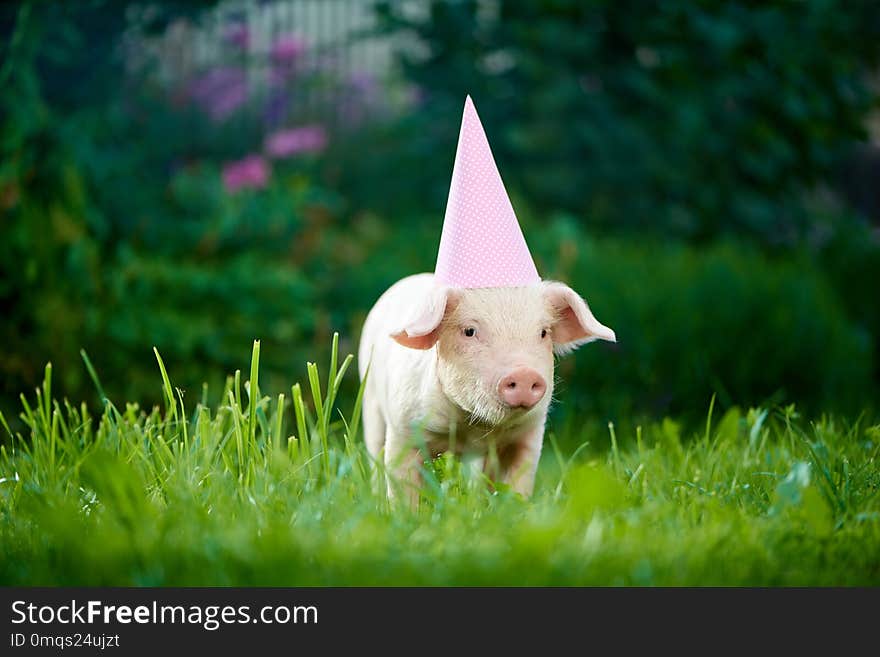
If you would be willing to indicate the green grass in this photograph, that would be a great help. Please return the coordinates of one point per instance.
(277, 491)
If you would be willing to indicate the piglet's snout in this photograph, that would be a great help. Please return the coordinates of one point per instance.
(522, 387)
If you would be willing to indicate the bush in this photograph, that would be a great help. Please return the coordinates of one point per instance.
(851, 260)
(137, 213)
(692, 322)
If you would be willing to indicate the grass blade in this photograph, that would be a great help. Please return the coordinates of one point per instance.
(254, 393)
(171, 405)
(93, 375)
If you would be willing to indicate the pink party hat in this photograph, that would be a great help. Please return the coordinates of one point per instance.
(482, 244)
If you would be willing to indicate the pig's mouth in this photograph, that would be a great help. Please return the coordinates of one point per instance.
(496, 413)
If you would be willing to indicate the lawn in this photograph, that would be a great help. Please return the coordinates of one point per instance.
(277, 491)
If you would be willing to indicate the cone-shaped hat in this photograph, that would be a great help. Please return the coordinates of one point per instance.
(482, 244)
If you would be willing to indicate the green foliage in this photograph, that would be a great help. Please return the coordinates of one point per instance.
(685, 118)
(53, 230)
(851, 260)
(252, 491)
(692, 322)
(118, 234)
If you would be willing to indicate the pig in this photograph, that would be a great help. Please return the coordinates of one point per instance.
(468, 370)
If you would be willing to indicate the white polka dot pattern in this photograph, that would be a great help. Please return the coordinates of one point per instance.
(482, 244)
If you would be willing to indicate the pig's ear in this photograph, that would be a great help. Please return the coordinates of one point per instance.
(574, 323)
(422, 330)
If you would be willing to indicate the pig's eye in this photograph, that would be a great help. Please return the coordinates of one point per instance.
(543, 333)
(470, 331)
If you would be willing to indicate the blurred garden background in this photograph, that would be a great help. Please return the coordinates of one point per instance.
(195, 175)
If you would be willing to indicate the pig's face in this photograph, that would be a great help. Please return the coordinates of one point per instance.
(495, 346)
(495, 352)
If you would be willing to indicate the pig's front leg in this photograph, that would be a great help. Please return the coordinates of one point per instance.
(519, 461)
(402, 463)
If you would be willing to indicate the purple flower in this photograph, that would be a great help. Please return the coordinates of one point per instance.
(220, 92)
(280, 74)
(363, 83)
(250, 173)
(287, 48)
(284, 54)
(362, 98)
(238, 35)
(276, 108)
(224, 104)
(287, 143)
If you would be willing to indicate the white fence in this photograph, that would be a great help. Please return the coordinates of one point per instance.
(338, 36)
